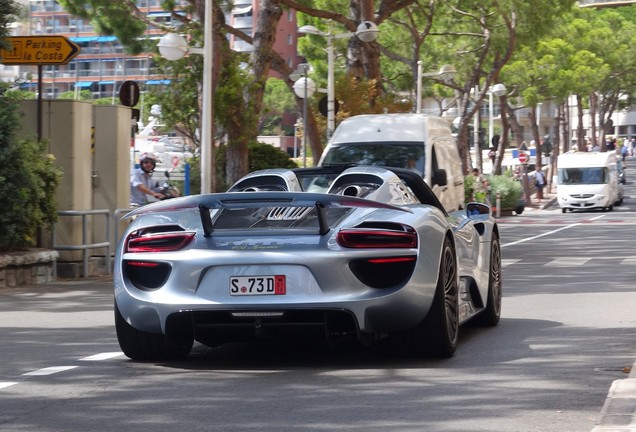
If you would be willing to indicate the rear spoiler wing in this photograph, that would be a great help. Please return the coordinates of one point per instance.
(241, 200)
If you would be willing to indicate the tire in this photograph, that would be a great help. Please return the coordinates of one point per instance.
(144, 346)
(563, 210)
(492, 312)
(436, 335)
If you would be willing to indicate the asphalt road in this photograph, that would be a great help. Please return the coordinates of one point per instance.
(567, 331)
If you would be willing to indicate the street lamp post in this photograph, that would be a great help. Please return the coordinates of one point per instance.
(446, 73)
(476, 128)
(304, 88)
(367, 31)
(496, 90)
(172, 46)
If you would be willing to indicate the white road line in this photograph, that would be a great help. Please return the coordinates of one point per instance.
(49, 370)
(507, 262)
(598, 217)
(551, 232)
(102, 356)
(567, 262)
(540, 235)
(6, 384)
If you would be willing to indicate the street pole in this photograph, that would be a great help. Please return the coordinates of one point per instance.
(305, 123)
(476, 128)
(172, 47)
(207, 140)
(366, 32)
(490, 114)
(331, 109)
(418, 91)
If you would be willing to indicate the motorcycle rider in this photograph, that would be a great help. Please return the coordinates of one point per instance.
(141, 182)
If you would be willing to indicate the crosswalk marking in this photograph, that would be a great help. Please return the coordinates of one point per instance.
(567, 262)
(102, 356)
(49, 370)
(57, 369)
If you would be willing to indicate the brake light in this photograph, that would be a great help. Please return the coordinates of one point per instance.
(377, 238)
(159, 242)
(145, 264)
(391, 260)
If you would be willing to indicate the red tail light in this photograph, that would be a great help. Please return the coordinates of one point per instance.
(377, 238)
(158, 242)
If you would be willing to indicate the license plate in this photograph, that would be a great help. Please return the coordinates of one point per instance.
(257, 285)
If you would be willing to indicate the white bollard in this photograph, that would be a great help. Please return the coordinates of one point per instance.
(498, 203)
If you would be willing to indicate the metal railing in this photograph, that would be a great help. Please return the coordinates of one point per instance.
(117, 214)
(85, 246)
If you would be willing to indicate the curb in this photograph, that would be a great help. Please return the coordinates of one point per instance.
(619, 410)
(548, 203)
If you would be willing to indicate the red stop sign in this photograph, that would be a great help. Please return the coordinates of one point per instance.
(523, 158)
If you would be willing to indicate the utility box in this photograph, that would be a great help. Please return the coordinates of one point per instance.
(91, 144)
(111, 168)
(66, 126)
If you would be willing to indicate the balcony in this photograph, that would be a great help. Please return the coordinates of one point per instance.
(605, 3)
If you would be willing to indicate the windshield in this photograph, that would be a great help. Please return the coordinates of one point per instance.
(409, 155)
(591, 175)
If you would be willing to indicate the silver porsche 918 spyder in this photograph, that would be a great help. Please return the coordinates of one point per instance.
(360, 252)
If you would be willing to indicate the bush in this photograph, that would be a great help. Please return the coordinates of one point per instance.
(509, 189)
(28, 183)
(261, 156)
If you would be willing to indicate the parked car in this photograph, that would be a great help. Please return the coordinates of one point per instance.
(375, 255)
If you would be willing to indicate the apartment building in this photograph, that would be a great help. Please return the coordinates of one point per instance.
(102, 64)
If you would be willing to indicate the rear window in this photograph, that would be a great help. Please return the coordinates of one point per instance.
(390, 154)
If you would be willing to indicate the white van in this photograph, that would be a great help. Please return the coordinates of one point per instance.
(588, 180)
(419, 142)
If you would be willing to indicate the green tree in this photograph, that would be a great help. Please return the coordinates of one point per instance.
(9, 12)
(261, 156)
(277, 102)
(28, 181)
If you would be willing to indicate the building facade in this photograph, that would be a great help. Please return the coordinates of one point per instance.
(102, 64)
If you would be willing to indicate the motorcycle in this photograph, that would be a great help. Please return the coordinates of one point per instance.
(167, 189)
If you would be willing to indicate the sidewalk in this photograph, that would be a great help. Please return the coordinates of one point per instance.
(619, 410)
(549, 197)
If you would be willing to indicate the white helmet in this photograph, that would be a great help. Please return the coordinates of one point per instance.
(147, 156)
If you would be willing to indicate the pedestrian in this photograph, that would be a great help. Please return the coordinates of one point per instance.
(142, 183)
(539, 183)
(480, 187)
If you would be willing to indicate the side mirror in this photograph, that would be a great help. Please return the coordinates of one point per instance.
(439, 177)
(167, 174)
(475, 209)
